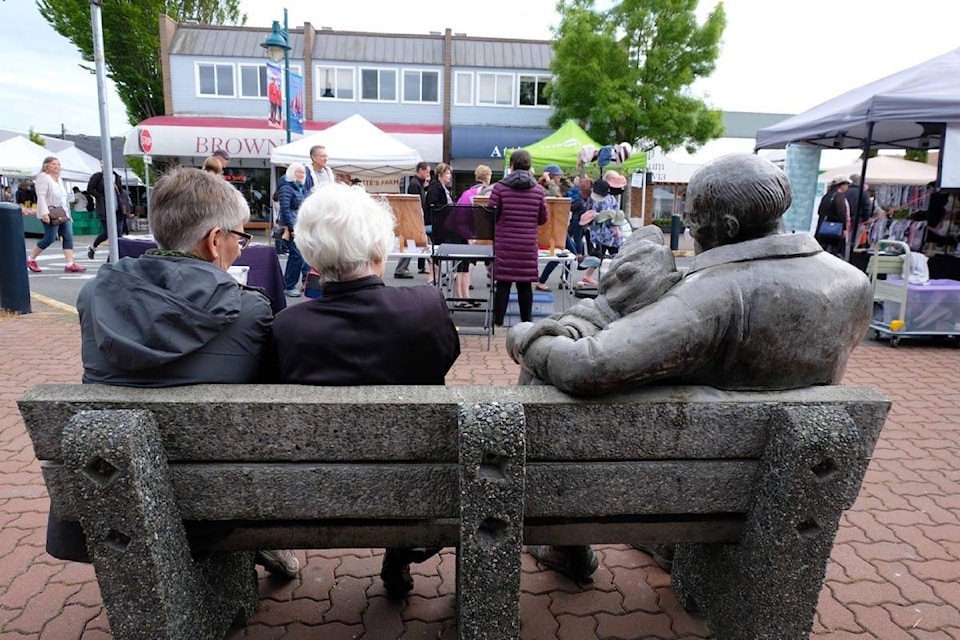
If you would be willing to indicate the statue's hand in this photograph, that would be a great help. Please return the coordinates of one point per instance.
(521, 336)
(642, 272)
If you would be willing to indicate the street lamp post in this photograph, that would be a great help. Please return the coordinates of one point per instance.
(106, 149)
(277, 45)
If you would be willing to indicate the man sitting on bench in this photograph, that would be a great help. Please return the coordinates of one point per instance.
(174, 316)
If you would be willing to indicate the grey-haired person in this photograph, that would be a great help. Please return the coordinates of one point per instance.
(174, 316)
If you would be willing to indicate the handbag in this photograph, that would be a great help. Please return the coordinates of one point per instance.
(830, 229)
(57, 215)
(277, 232)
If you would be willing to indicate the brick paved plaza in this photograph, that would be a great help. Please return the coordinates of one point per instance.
(894, 574)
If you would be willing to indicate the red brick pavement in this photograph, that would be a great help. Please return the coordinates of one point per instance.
(895, 570)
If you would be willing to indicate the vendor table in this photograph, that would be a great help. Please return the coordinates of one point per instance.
(264, 266)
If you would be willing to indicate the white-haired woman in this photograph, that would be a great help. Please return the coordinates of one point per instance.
(361, 331)
(52, 193)
(291, 195)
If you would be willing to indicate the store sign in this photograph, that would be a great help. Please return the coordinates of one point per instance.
(165, 140)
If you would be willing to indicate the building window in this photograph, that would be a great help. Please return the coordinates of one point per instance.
(495, 89)
(335, 83)
(379, 85)
(253, 81)
(533, 91)
(421, 86)
(215, 79)
(463, 89)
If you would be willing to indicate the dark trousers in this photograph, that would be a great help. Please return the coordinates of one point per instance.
(501, 298)
(122, 229)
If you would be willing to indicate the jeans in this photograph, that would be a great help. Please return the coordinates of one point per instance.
(51, 231)
(296, 267)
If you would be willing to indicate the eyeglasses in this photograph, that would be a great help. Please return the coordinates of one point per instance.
(244, 240)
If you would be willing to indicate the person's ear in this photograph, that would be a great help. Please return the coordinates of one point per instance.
(731, 227)
(209, 247)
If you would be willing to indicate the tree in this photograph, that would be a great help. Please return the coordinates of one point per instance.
(36, 138)
(131, 40)
(625, 73)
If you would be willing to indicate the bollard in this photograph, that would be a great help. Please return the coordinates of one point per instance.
(674, 232)
(14, 284)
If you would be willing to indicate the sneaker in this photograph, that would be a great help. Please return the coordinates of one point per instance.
(406, 275)
(33, 266)
(74, 268)
(292, 293)
(586, 282)
(91, 253)
(279, 563)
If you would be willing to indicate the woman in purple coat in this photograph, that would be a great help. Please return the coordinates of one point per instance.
(521, 207)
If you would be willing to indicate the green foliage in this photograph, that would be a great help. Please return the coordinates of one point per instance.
(36, 138)
(131, 40)
(625, 73)
(917, 155)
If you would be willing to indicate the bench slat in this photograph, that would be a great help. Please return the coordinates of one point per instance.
(297, 423)
(353, 534)
(291, 491)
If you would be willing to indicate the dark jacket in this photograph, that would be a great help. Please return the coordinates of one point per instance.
(362, 332)
(95, 187)
(521, 207)
(859, 203)
(416, 188)
(290, 197)
(162, 321)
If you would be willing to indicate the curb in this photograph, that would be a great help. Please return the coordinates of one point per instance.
(50, 302)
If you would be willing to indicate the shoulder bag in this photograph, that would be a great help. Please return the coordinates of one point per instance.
(57, 215)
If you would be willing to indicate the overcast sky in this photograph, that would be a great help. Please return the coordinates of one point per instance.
(782, 56)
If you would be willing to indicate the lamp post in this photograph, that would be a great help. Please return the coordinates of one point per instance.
(106, 149)
(277, 45)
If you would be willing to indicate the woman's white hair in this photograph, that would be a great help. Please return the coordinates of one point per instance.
(292, 172)
(342, 232)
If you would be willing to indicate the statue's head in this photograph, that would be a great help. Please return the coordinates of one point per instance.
(734, 198)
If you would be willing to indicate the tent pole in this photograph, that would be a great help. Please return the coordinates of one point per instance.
(855, 218)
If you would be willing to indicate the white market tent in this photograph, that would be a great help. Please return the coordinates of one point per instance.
(906, 110)
(21, 158)
(886, 170)
(354, 146)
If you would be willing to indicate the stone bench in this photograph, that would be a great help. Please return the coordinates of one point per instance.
(751, 484)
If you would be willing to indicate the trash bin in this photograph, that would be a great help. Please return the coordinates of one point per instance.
(14, 282)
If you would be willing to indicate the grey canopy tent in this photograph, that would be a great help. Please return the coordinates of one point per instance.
(907, 110)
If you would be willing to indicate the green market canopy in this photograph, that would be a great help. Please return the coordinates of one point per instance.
(562, 148)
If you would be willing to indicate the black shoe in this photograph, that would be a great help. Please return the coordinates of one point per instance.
(91, 253)
(404, 274)
(576, 562)
(396, 579)
(421, 271)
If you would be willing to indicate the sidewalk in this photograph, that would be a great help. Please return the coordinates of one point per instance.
(895, 572)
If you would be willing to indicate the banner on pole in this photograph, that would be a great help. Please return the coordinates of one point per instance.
(275, 96)
(295, 106)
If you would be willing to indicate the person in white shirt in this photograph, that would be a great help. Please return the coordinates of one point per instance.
(318, 173)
